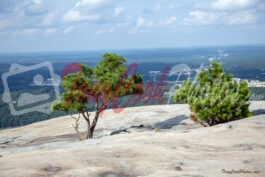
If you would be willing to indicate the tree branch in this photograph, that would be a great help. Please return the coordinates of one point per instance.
(76, 126)
(102, 107)
(95, 119)
(86, 117)
(88, 114)
(97, 102)
(202, 124)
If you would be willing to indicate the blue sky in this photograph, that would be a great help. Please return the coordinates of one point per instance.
(58, 25)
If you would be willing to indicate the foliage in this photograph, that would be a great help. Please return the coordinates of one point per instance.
(245, 62)
(102, 85)
(215, 98)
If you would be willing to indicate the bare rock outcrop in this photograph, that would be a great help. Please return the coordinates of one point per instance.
(150, 141)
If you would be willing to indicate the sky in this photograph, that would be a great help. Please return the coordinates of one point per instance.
(70, 25)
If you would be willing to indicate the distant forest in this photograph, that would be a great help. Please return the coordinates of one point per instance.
(245, 62)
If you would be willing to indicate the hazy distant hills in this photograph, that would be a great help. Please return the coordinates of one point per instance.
(245, 62)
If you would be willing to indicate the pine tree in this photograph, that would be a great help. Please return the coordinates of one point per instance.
(105, 83)
(215, 98)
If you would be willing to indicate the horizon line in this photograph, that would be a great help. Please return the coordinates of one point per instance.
(134, 48)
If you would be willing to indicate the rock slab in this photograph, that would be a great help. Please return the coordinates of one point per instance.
(179, 148)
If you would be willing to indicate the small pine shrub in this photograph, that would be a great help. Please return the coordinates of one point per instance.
(215, 98)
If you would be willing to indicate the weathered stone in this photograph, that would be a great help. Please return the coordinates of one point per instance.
(181, 148)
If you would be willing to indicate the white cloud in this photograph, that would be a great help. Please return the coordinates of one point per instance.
(140, 22)
(118, 11)
(149, 23)
(29, 31)
(68, 29)
(142, 26)
(209, 18)
(171, 21)
(48, 19)
(92, 4)
(143, 23)
(37, 2)
(75, 16)
(228, 12)
(103, 31)
(136, 31)
(202, 18)
(87, 10)
(241, 18)
(51, 30)
(233, 4)
(34, 7)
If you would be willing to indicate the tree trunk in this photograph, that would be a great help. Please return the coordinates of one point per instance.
(90, 129)
(89, 134)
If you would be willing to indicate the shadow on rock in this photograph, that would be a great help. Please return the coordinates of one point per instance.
(169, 123)
(132, 129)
(258, 112)
(166, 124)
(112, 174)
